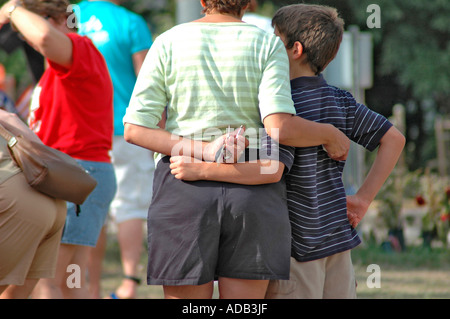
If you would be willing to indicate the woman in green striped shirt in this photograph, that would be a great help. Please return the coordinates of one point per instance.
(210, 74)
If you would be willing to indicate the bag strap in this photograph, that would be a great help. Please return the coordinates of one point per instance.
(8, 136)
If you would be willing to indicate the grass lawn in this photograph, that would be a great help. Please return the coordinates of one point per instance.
(416, 273)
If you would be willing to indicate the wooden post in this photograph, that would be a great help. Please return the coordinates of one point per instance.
(442, 131)
(399, 120)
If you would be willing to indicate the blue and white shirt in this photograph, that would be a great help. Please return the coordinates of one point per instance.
(316, 195)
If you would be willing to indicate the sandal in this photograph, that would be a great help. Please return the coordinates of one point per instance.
(135, 279)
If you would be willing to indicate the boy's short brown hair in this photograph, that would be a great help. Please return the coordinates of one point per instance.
(225, 6)
(318, 28)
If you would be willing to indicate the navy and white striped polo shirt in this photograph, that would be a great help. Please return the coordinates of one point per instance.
(316, 195)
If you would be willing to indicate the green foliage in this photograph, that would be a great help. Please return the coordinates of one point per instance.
(414, 40)
(159, 14)
(414, 45)
(415, 257)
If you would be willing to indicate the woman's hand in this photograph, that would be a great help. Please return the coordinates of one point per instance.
(4, 11)
(186, 168)
(235, 144)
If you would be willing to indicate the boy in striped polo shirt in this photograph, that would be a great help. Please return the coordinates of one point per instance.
(323, 218)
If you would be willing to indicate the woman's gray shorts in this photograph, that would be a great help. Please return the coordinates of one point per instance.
(198, 231)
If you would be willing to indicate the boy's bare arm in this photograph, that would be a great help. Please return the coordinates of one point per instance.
(391, 146)
(249, 173)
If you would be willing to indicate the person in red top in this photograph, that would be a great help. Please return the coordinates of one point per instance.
(76, 103)
(72, 111)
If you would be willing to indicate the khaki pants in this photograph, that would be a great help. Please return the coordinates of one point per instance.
(327, 278)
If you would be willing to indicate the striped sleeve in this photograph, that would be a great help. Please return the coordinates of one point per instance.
(272, 150)
(274, 92)
(369, 127)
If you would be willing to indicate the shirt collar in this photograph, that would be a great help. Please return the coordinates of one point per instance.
(318, 80)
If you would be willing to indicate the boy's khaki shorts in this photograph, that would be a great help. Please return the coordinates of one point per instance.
(327, 278)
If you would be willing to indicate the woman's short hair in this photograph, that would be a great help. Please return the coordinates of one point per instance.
(225, 6)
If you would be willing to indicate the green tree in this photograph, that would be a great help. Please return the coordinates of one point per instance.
(413, 58)
(414, 46)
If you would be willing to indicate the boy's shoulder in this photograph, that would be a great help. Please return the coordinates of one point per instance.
(316, 86)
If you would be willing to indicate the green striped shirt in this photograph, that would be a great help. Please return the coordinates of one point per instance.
(211, 76)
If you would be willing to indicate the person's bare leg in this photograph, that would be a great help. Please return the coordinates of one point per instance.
(231, 288)
(57, 288)
(95, 264)
(189, 292)
(79, 259)
(18, 292)
(130, 237)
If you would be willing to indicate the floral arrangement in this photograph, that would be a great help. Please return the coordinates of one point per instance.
(391, 201)
(389, 207)
(435, 195)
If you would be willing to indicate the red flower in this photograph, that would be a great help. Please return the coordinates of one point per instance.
(445, 217)
(447, 192)
(420, 200)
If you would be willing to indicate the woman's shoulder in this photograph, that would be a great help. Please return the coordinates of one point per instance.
(84, 47)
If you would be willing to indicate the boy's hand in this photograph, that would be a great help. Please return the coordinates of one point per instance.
(339, 148)
(186, 168)
(356, 209)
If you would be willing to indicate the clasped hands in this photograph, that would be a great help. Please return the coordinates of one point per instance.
(234, 144)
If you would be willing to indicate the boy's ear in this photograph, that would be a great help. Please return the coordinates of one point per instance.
(297, 50)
